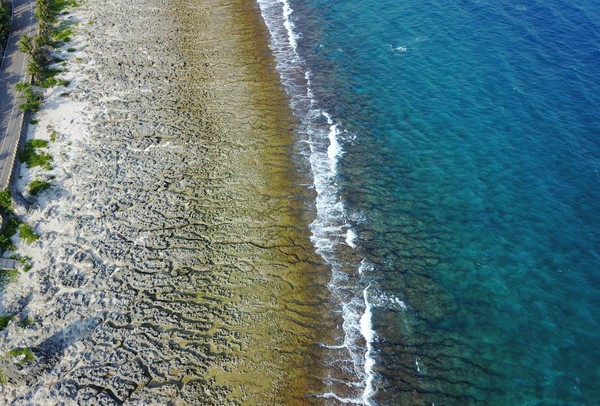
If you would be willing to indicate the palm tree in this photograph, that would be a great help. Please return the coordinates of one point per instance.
(35, 69)
(25, 44)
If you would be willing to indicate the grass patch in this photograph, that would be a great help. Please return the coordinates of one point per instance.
(27, 234)
(4, 320)
(32, 157)
(38, 186)
(25, 353)
(62, 33)
(53, 135)
(25, 262)
(71, 49)
(53, 82)
(26, 322)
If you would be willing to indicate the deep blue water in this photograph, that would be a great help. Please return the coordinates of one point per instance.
(471, 175)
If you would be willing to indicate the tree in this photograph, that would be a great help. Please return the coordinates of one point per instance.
(35, 69)
(25, 44)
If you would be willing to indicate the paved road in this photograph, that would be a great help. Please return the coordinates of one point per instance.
(13, 71)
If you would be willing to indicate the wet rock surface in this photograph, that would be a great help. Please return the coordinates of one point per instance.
(175, 265)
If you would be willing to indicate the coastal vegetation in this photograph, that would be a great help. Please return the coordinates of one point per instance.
(50, 36)
(24, 355)
(33, 157)
(5, 200)
(26, 322)
(27, 234)
(4, 320)
(38, 186)
(14, 360)
(26, 264)
(12, 225)
(4, 22)
(33, 98)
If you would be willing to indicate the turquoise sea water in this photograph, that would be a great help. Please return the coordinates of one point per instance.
(469, 171)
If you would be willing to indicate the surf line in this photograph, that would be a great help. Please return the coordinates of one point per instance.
(322, 134)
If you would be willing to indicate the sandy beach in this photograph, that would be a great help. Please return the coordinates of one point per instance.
(174, 264)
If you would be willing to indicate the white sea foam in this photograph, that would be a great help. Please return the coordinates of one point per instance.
(289, 26)
(366, 329)
(381, 299)
(398, 48)
(350, 238)
(331, 395)
(334, 150)
(323, 139)
(365, 266)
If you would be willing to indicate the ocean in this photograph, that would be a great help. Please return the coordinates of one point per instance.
(455, 156)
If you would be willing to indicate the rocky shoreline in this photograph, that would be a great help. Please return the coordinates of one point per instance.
(174, 264)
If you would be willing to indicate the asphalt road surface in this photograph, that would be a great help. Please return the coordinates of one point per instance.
(14, 70)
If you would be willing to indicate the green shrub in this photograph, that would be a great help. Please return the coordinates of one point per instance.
(38, 143)
(48, 78)
(4, 21)
(4, 320)
(38, 186)
(26, 322)
(25, 262)
(10, 229)
(6, 244)
(71, 49)
(53, 135)
(5, 199)
(32, 157)
(62, 33)
(27, 234)
(25, 352)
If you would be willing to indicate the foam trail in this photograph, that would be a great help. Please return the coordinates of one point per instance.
(289, 26)
(366, 328)
(330, 395)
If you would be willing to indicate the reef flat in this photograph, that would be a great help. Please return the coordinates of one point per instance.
(174, 264)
